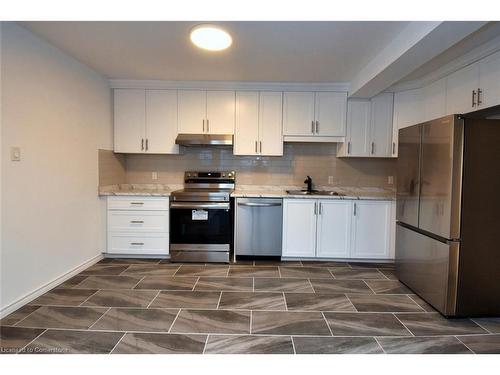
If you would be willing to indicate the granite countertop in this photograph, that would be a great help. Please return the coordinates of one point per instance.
(155, 190)
(253, 191)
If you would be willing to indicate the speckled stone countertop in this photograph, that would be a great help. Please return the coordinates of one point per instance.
(154, 190)
(253, 191)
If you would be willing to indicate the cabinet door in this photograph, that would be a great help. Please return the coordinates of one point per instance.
(407, 108)
(298, 113)
(299, 228)
(371, 232)
(246, 132)
(192, 111)
(271, 124)
(489, 80)
(129, 120)
(381, 125)
(330, 114)
(434, 100)
(459, 90)
(358, 127)
(220, 112)
(161, 121)
(334, 228)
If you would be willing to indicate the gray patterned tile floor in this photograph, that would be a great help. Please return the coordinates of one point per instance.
(255, 307)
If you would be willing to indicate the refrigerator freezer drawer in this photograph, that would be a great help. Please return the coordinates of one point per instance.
(429, 267)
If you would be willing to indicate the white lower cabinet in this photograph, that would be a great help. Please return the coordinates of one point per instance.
(371, 229)
(299, 228)
(138, 225)
(331, 228)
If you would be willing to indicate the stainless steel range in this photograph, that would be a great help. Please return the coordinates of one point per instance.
(201, 218)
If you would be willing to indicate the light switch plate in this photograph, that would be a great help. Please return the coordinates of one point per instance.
(15, 153)
(390, 180)
(330, 180)
(154, 175)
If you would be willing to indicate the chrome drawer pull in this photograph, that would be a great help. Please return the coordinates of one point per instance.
(137, 203)
(137, 243)
(137, 222)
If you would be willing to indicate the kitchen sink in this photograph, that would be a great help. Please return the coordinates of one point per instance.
(315, 192)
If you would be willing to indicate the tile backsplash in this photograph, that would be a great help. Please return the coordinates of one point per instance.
(317, 160)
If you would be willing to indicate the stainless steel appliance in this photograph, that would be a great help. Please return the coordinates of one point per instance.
(258, 226)
(204, 139)
(448, 214)
(201, 218)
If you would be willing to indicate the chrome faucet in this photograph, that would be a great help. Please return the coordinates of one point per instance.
(309, 182)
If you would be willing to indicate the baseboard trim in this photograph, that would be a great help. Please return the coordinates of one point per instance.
(46, 287)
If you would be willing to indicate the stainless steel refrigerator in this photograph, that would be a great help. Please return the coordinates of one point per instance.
(448, 214)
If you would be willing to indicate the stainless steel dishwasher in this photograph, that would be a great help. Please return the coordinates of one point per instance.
(259, 223)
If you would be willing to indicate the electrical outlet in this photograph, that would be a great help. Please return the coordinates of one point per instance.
(330, 180)
(15, 154)
(390, 180)
(154, 175)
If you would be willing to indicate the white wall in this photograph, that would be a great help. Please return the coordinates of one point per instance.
(58, 112)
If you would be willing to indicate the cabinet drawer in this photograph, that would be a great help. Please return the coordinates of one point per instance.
(138, 243)
(138, 203)
(137, 221)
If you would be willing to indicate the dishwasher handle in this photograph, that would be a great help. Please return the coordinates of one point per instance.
(251, 204)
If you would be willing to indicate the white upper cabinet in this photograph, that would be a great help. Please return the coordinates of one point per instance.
(407, 111)
(192, 111)
(334, 228)
(299, 228)
(314, 116)
(246, 131)
(161, 121)
(271, 123)
(489, 81)
(369, 127)
(371, 229)
(433, 100)
(298, 113)
(220, 112)
(145, 121)
(330, 114)
(210, 112)
(129, 120)
(381, 125)
(258, 129)
(461, 90)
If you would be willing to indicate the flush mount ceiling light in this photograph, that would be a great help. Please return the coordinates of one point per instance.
(210, 37)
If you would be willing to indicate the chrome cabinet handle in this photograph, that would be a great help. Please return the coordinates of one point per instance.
(137, 203)
(473, 98)
(317, 126)
(136, 221)
(348, 147)
(208, 126)
(260, 145)
(355, 209)
(373, 148)
(255, 146)
(203, 125)
(142, 144)
(320, 211)
(315, 208)
(137, 243)
(479, 92)
(393, 148)
(312, 127)
(147, 144)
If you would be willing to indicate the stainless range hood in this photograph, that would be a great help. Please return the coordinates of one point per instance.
(204, 139)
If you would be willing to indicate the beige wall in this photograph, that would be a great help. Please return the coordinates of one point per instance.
(314, 159)
(58, 112)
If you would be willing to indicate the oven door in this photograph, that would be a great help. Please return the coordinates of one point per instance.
(200, 223)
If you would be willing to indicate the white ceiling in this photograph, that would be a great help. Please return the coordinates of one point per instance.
(261, 51)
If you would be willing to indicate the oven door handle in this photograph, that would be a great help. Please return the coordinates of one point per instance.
(200, 206)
